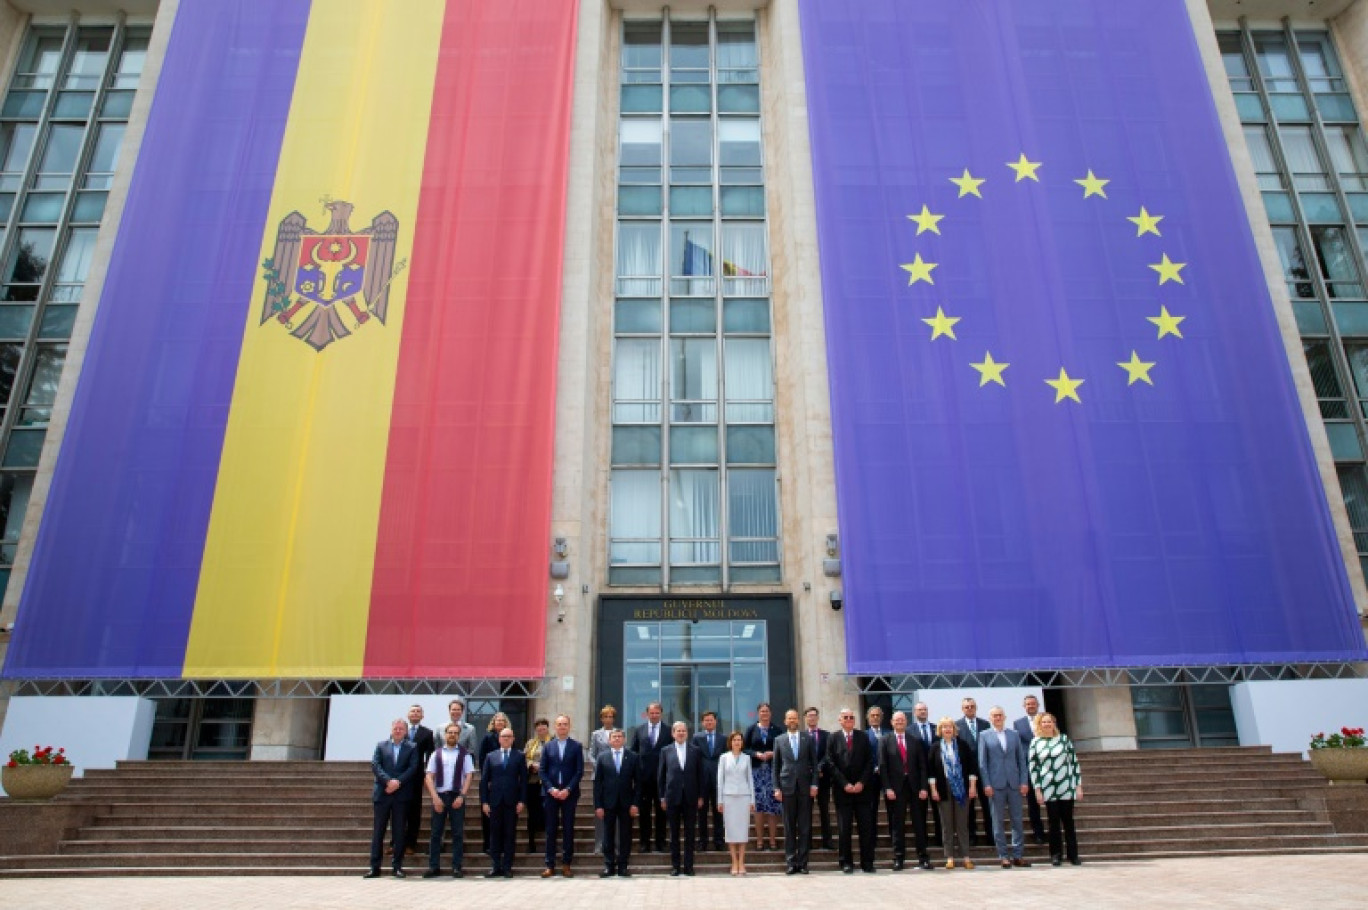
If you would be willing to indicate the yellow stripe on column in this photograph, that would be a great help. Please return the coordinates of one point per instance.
(285, 582)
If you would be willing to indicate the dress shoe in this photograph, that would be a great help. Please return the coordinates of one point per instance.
(848, 870)
(870, 870)
(925, 864)
(1021, 863)
(374, 873)
(1006, 864)
(431, 873)
(689, 872)
(493, 873)
(457, 873)
(1056, 860)
(606, 873)
(898, 865)
(968, 863)
(623, 873)
(567, 871)
(949, 864)
(1075, 862)
(790, 871)
(828, 845)
(802, 870)
(548, 872)
(399, 873)
(674, 873)
(508, 873)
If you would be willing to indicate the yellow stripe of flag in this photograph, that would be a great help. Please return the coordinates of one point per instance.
(285, 582)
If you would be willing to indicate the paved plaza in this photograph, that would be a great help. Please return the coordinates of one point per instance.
(1322, 882)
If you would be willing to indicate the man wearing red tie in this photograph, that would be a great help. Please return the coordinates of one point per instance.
(902, 772)
(820, 738)
(856, 788)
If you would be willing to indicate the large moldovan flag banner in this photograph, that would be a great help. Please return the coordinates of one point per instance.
(313, 432)
(1066, 433)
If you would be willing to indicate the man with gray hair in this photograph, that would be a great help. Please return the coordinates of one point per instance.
(1005, 779)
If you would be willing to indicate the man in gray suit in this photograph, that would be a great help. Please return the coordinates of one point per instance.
(469, 738)
(1005, 779)
(795, 787)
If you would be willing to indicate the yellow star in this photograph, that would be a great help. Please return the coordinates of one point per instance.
(1167, 323)
(942, 324)
(1168, 270)
(990, 371)
(1137, 369)
(1093, 185)
(919, 270)
(1025, 169)
(926, 221)
(968, 184)
(1065, 387)
(1146, 223)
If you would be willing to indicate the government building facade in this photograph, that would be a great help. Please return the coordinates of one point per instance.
(557, 354)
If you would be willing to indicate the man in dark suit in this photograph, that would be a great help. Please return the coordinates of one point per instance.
(423, 740)
(902, 774)
(562, 766)
(969, 728)
(820, 738)
(711, 744)
(647, 741)
(679, 781)
(924, 731)
(1025, 728)
(1005, 780)
(853, 783)
(795, 786)
(615, 802)
(395, 766)
(875, 730)
(503, 783)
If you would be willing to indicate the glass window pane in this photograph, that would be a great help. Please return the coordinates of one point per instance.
(691, 250)
(41, 57)
(16, 141)
(636, 445)
(639, 200)
(693, 445)
(24, 104)
(753, 512)
(24, 447)
(89, 207)
(131, 60)
(29, 259)
(739, 142)
(80, 249)
(690, 142)
(43, 208)
(1303, 160)
(693, 374)
(694, 517)
(73, 105)
(1289, 108)
(636, 380)
(736, 47)
(750, 373)
(105, 158)
(14, 498)
(10, 355)
(1335, 253)
(745, 252)
(642, 99)
(750, 445)
(1322, 368)
(746, 314)
(42, 390)
(690, 99)
(641, 45)
(88, 58)
(640, 142)
(63, 147)
(635, 519)
(57, 322)
(1294, 263)
(1320, 207)
(738, 99)
(691, 200)
(117, 104)
(688, 316)
(14, 323)
(638, 252)
(636, 317)
(689, 45)
(743, 201)
(1354, 486)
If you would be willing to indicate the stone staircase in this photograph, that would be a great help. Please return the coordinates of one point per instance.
(313, 818)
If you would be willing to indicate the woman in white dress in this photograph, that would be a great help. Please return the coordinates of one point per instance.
(736, 793)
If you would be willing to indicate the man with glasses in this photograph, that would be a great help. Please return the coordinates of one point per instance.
(852, 773)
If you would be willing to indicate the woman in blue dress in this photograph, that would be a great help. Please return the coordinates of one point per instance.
(760, 747)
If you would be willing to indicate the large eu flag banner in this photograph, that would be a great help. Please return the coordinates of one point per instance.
(1066, 432)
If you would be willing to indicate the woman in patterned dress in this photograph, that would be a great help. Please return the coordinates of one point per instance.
(760, 747)
(1058, 785)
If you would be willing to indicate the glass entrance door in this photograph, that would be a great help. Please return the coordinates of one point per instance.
(692, 667)
(687, 690)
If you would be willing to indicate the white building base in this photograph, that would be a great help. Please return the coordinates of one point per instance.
(357, 722)
(96, 731)
(1285, 715)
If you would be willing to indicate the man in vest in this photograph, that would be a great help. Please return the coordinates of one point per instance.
(448, 778)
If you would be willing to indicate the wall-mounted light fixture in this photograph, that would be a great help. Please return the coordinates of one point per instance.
(836, 599)
(831, 566)
(559, 594)
(560, 566)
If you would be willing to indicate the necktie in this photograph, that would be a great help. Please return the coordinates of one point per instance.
(902, 747)
(973, 729)
(562, 750)
(926, 734)
(711, 750)
(617, 761)
(850, 742)
(793, 743)
(653, 734)
(396, 753)
(413, 732)
(505, 756)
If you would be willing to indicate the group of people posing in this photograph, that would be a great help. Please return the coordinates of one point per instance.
(667, 780)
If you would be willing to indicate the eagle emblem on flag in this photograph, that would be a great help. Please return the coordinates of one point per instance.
(322, 286)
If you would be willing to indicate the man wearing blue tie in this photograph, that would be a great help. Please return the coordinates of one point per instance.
(712, 744)
(562, 766)
(503, 781)
(925, 732)
(394, 765)
(615, 802)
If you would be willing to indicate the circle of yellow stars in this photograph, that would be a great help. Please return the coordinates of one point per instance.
(992, 371)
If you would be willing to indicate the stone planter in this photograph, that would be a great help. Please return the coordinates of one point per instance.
(1342, 766)
(35, 782)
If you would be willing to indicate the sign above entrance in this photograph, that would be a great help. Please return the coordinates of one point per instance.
(697, 610)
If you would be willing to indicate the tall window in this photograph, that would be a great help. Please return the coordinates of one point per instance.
(693, 488)
(1309, 155)
(61, 124)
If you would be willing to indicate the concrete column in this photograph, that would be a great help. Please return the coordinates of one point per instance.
(580, 478)
(803, 402)
(288, 729)
(1350, 31)
(1100, 719)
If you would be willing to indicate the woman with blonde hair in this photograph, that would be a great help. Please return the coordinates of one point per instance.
(952, 770)
(1058, 783)
(736, 796)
